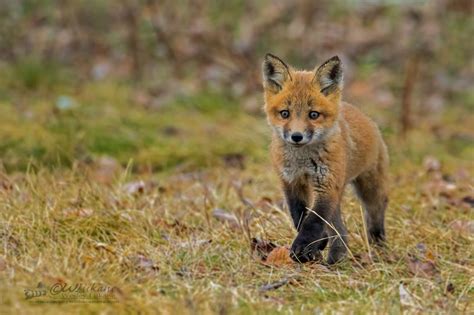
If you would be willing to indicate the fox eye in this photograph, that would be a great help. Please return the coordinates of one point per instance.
(313, 115)
(284, 114)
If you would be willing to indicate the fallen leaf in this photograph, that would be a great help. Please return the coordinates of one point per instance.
(422, 268)
(264, 203)
(279, 256)
(405, 296)
(226, 217)
(421, 261)
(274, 285)
(364, 259)
(234, 160)
(431, 164)
(144, 263)
(261, 248)
(450, 288)
(134, 188)
(439, 186)
(469, 200)
(278, 284)
(463, 227)
(105, 170)
(171, 131)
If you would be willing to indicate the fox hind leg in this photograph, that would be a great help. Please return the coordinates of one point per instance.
(338, 235)
(371, 189)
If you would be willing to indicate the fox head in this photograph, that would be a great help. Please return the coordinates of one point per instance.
(302, 106)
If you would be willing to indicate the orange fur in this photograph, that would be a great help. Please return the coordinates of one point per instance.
(341, 146)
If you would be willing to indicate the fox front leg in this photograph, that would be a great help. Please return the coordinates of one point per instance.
(297, 196)
(312, 237)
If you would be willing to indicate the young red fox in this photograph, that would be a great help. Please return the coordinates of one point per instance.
(320, 144)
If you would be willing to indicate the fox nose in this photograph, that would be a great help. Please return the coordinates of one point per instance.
(297, 137)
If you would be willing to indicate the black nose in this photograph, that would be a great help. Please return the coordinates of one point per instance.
(297, 137)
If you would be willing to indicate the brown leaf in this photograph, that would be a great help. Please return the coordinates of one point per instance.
(134, 188)
(105, 170)
(450, 288)
(419, 267)
(421, 262)
(431, 164)
(463, 227)
(278, 284)
(469, 200)
(264, 203)
(144, 263)
(405, 296)
(177, 226)
(234, 160)
(439, 186)
(261, 248)
(279, 256)
(226, 217)
(274, 285)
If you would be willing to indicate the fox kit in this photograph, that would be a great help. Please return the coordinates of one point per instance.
(320, 144)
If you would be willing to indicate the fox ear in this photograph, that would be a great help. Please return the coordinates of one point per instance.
(329, 76)
(275, 73)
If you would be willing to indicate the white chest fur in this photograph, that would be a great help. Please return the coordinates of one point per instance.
(303, 162)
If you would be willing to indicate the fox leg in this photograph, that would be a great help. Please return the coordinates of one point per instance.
(313, 234)
(371, 189)
(297, 199)
(338, 236)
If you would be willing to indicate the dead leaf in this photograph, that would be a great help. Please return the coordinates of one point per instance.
(278, 284)
(364, 258)
(279, 256)
(226, 217)
(439, 186)
(261, 248)
(421, 262)
(422, 268)
(234, 160)
(134, 188)
(462, 226)
(431, 164)
(405, 296)
(264, 203)
(469, 200)
(144, 263)
(450, 288)
(105, 169)
(177, 226)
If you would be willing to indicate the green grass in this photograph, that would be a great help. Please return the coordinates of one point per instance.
(68, 216)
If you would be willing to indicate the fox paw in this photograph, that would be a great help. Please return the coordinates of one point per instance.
(305, 249)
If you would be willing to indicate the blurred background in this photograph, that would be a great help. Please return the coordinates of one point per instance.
(176, 85)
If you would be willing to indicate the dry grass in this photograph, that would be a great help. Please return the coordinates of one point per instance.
(158, 243)
(164, 251)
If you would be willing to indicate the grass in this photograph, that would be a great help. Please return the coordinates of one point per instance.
(120, 195)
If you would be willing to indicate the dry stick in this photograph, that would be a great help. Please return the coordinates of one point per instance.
(131, 18)
(339, 235)
(366, 237)
(412, 69)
